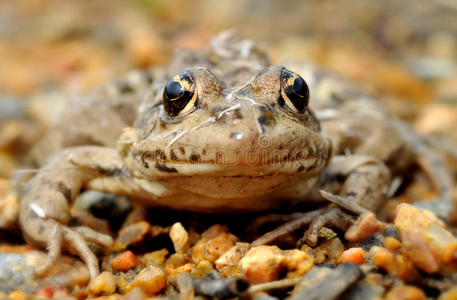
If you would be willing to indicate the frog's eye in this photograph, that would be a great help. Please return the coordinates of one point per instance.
(179, 96)
(294, 92)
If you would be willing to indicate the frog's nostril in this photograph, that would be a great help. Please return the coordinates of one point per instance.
(264, 107)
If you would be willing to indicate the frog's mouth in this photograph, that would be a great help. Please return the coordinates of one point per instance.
(253, 165)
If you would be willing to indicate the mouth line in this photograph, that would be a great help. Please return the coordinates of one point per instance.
(261, 163)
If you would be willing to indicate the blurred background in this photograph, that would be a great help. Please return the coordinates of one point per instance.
(404, 52)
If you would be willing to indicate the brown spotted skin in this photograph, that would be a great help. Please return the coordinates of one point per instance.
(236, 148)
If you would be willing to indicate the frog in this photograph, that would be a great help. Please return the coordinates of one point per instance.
(219, 129)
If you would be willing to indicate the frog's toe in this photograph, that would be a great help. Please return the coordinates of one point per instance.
(335, 217)
(95, 237)
(75, 239)
(54, 247)
(77, 243)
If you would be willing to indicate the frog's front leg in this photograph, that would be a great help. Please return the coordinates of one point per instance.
(364, 179)
(45, 207)
(360, 179)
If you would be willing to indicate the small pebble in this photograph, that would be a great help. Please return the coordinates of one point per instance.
(130, 235)
(427, 243)
(298, 262)
(151, 280)
(202, 268)
(352, 255)
(267, 263)
(155, 257)
(211, 249)
(391, 243)
(395, 264)
(228, 262)
(124, 261)
(405, 292)
(179, 237)
(366, 225)
(262, 264)
(188, 268)
(103, 284)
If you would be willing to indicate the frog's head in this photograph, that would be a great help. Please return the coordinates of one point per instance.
(202, 127)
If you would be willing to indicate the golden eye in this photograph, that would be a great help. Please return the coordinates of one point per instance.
(294, 92)
(179, 96)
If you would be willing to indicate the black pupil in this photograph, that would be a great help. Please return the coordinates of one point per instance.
(299, 86)
(298, 92)
(173, 90)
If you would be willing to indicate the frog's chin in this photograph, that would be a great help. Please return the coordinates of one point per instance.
(219, 191)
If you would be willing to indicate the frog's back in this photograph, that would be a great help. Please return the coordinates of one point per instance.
(95, 119)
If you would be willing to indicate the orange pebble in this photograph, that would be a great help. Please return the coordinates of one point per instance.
(395, 264)
(185, 268)
(352, 255)
(124, 261)
(48, 291)
(391, 243)
(405, 292)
